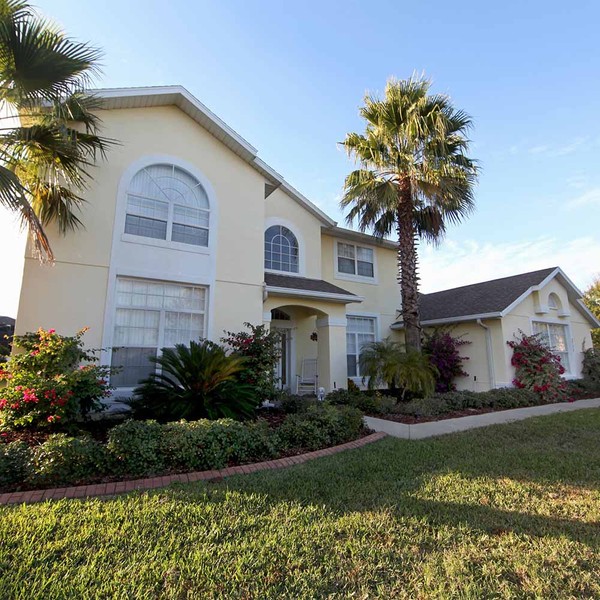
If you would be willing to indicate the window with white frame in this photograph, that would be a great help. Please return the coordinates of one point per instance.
(359, 331)
(355, 260)
(166, 203)
(281, 249)
(150, 315)
(554, 335)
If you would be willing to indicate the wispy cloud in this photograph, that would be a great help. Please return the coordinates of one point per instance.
(557, 150)
(463, 262)
(590, 197)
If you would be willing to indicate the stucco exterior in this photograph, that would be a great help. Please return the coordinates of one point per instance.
(226, 272)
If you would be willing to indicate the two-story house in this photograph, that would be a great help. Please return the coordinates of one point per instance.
(189, 234)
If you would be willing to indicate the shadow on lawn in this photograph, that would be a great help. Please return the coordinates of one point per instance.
(388, 475)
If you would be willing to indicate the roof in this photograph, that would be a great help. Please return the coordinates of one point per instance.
(492, 299)
(176, 95)
(4, 321)
(359, 237)
(303, 286)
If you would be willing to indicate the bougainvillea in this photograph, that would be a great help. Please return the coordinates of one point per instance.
(45, 384)
(537, 368)
(444, 354)
(262, 349)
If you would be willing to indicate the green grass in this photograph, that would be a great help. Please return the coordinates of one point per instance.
(503, 512)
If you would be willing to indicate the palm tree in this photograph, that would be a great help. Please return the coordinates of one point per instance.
(414, 177)
(48, 133)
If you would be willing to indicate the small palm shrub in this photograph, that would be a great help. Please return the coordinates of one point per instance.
(46, 385)
(196, 381)
(387, 363)
(537, 368)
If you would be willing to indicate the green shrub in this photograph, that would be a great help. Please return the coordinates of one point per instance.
(196, 381)
(15, 459)
(64, 460)
(590, 369)
(319, 427)
(371, 403)
(440, 404)
(135, 447)
(294, 403)
(202, 445)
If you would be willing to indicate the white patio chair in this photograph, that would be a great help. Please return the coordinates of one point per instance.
(308, 380)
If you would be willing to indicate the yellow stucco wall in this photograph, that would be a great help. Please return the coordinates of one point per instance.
(78, 282)
(381, 298)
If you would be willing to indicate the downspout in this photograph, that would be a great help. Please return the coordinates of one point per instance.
(489, 352)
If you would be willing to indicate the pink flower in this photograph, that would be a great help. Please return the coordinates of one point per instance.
(51, 331)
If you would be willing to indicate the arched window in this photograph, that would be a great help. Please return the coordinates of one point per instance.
(281, 249)
(554, 301)
(165, 202)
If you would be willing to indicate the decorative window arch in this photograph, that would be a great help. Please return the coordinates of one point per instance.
(167, 203)
(281, 250)
(554, 302)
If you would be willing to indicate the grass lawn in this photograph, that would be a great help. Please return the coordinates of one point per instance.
(502, 512)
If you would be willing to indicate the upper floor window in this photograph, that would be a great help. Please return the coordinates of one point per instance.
(355, 260)
(166, 203)
(554, 301)
(281, 249)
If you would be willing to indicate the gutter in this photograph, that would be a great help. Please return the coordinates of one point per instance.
(489, 352)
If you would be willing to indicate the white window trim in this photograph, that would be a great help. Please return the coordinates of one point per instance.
(348, 276)
(128, 391)
(301, 246)
(570, 345)
(358, 380)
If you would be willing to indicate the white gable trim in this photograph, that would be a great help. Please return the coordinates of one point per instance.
(176, 95)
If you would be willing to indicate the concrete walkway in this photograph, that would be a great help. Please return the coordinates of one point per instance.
(435, 428)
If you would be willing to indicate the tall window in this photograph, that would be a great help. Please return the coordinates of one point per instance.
(166, 203)
(281, 249)
(151, 315)
(359, 331)
(355, 260)
(555, 337)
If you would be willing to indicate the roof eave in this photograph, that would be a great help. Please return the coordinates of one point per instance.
(309, 294)
(448, 320)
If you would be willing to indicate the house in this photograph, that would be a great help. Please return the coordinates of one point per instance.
(491, 313)
(188, 234)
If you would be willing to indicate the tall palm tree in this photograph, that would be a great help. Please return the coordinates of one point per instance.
(48, 132)
(414, 177)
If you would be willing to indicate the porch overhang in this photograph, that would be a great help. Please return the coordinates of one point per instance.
(302, 287)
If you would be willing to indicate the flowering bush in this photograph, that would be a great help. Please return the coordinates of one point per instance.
(261, 348)
(45, 385)
(537, 368)
(443, 351)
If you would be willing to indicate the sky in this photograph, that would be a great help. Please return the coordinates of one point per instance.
(290, 77)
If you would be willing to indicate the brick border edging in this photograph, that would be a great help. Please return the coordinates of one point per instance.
(121, 487)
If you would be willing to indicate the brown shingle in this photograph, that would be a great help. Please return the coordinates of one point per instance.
(303, 283)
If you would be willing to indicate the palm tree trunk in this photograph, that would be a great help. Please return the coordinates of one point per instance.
(407, 270)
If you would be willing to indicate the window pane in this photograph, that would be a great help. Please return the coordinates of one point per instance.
(346, 250)
(144, 227)
(189, 235)
(181, 328)
(144, 207)
(346, 265)
(364, 254)
(361, 325)
(365, 269)
(190, 216)
(134, 363)
(281, 249)
(351, 362)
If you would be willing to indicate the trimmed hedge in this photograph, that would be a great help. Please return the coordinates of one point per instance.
(143, 448)
(440, 404)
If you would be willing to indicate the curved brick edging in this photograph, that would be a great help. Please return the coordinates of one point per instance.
(120, 487)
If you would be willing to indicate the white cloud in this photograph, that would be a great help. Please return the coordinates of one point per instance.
(559, 150)
(590, 197)
(463, 262)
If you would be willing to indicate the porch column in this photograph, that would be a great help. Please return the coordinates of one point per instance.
(332, 366)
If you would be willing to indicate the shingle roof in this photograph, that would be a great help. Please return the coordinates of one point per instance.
(304, 284)
(480, 298)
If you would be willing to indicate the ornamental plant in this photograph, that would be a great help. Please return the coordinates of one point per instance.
(537, 368)
(47, 385)
(443, 350)
(261, 349)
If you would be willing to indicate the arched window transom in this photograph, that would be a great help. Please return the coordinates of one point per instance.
(554, 301)
(281, 249)
(165, 202)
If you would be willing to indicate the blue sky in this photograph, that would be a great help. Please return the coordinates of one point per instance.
(290, 76)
